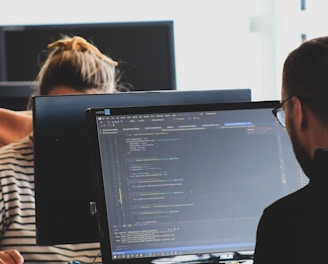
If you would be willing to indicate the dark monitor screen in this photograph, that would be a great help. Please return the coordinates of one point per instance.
(16, 95)
(144, 50)
(62, 169)
(187, 184)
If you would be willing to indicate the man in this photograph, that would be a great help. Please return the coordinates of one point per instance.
(294, 229)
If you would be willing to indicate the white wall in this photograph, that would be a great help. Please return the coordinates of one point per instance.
(219, 43)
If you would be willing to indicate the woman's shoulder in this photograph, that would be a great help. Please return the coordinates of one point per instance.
(14, 125)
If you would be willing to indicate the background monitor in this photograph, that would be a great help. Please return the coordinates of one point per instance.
(144, 50)
(63, 179)
(16, 95)
(187, 183)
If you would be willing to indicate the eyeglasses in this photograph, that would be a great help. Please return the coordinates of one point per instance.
(279, 112)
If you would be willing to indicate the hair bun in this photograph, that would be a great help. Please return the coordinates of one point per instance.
(77, 43)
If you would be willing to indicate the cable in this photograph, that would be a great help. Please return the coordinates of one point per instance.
(98, 255)
(80, 262)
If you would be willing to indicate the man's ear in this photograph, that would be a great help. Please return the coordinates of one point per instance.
(300, 114)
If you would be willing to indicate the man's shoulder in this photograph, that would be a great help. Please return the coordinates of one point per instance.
(290, 203)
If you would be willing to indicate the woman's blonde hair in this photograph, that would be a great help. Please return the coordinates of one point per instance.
(76, 63)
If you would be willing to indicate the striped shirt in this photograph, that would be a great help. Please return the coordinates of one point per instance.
(17, 211)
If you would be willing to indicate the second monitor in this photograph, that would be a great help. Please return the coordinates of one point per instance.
(63, 183)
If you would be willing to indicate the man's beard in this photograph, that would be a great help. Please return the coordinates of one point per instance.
(301, 154)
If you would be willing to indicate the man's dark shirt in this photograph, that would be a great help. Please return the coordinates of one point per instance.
(294, 229)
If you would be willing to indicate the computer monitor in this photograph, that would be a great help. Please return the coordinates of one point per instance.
(144, 50)
(187, 183)
(16, 95)
(63, 180)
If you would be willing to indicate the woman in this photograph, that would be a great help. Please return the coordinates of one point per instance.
(74, 66)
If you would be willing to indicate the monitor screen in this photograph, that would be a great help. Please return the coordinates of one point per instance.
(16, 95)
(63, 177)
(187, 183)
(144, 50)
